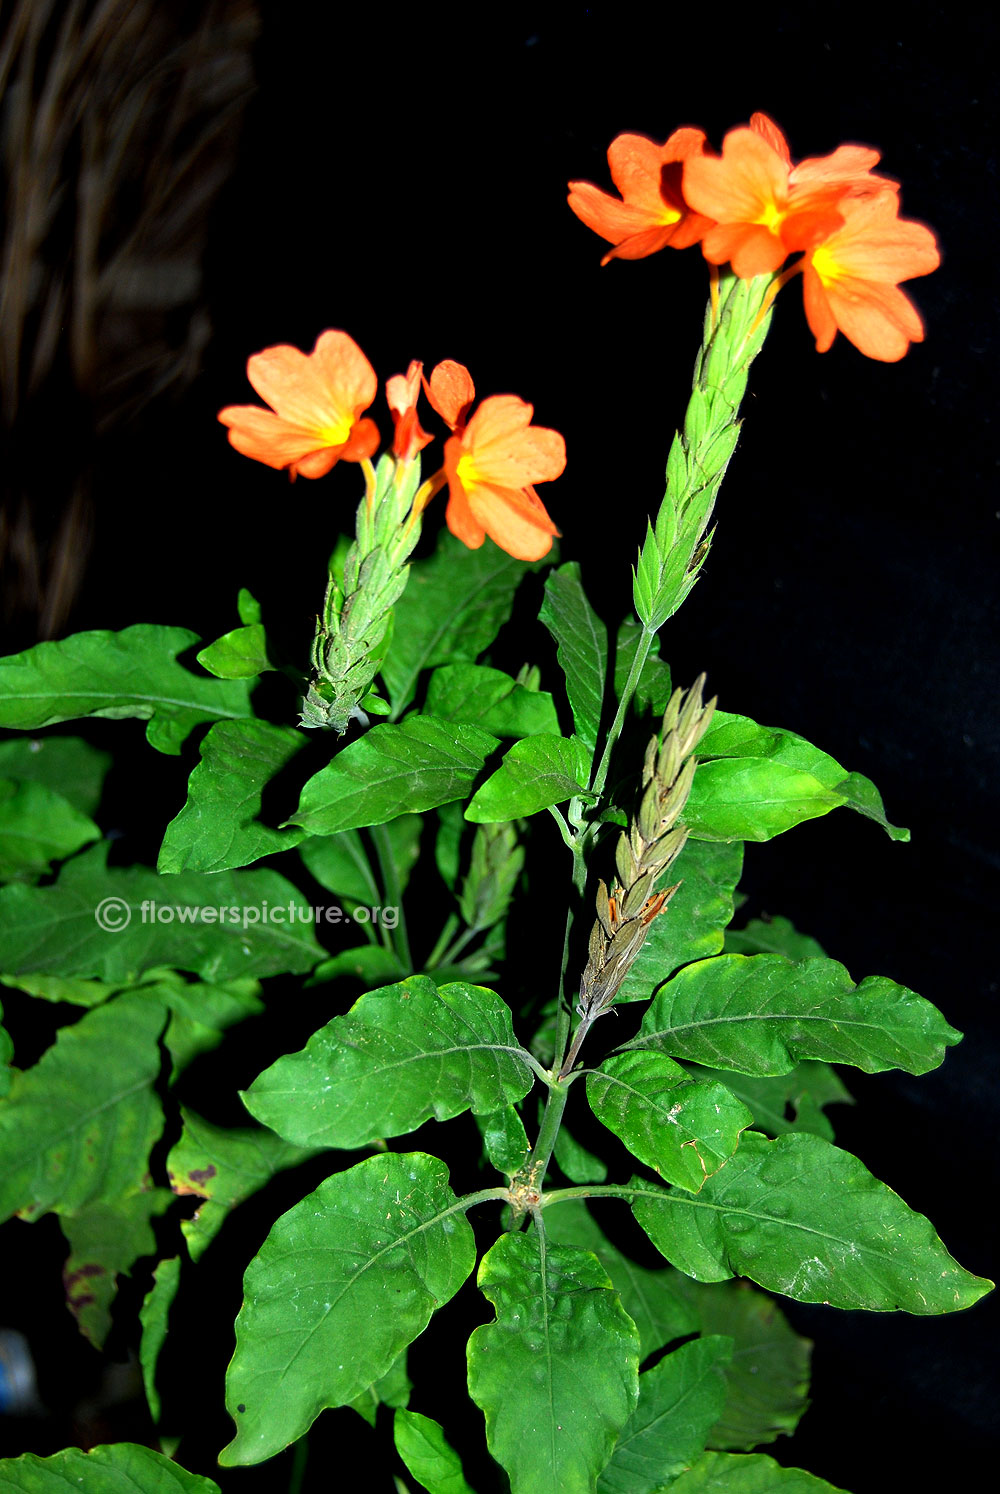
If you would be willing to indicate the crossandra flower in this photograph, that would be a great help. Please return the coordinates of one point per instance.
(401, 393)
(851, 279)
(491, 464)
(652, 211)
(317, 401)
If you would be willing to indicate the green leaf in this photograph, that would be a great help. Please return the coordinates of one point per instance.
(424, 1449)
(238, 655)
(201, 1013)
(77, 1129)
(371, 964)
(344, 1281)
(734, 737)
(535, 773)
(581, 647)
(219, 925)
(6, 1057)
(574, 1160)
(131, 673)
(801, 1217)
(656, 1301)
(401, 1055)
(679, 1400)
(219, 827)
(753, 798)
(223, 1166)
(124, 1468)
(504, 1139)
(392, 770)
(491, 700)
(684, 1130)
(38, 826)
(556, 1372)
(451, 610)
(804, 1092)
(105, 1240)
(67, 764)
(154, 1315)
(694, 922)
(392, 1389)
(767, 1380)
(760, 1014)
(754, 1473)
(247, 607)
(58, 988)
(653, 689)
(341, 863)
(772, 936)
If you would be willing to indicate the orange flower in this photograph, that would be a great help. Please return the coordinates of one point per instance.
(401, 393)
(490, 464)
(316, 403)
(653, 211)
(851, 279)
(748, 193)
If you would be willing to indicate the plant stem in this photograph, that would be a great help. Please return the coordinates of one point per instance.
(393, 892)
(638, 662)
(300, 1456)
(537, 1163)
(564, 1015)
(436, 955)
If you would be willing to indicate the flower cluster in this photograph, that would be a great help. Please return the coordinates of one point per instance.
(752, 207)
(492, 459)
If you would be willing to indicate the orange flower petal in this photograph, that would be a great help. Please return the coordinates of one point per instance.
(507, 449)
(266, 437)
(766, 128)
(402, 393)
(750, 248)
(748, 181)
(514, 519)
(879, 319)
(606, 215)
(451, 392)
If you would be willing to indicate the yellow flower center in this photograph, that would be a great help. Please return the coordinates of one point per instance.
(467, 472)
(336, 435)
(772, 217)
(826, 266)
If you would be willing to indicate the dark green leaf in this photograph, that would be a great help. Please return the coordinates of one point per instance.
(218, 925)
(219, 827)
(451, 610)
(767, 1379)
(131, 673)
(424, 1449)
(679, 1400)
(504, 1138)
(581, 647)
(342, 865)
(684, 1130)
(344, 1281)
(556, 1372)
(392, 770)
(154, 1315)
(535, 773)
(392, 1389)
(124, 1468)
(753, 1473)
(655, 1300)
(223, 1166)
(801, 1217)
(784, 1102)
(574, 1160)
(401, 1055)
(695, 919)
(491, 700)
(38, 826)
(371, 964)
(760, 1014)
(201, 1012)
(772, 936)
(67, 764)
(105, 1239)
(77, 1129)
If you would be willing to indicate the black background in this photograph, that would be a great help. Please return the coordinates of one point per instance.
(404, 178)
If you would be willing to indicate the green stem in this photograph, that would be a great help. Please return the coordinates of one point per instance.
(393, 892)
(564, 1016)
(638, 662)
(452, 953)
(300, 1456)
(451, 923)
(601, 1190)
(537, 1163)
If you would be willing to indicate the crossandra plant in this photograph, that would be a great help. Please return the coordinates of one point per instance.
(447, 785)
